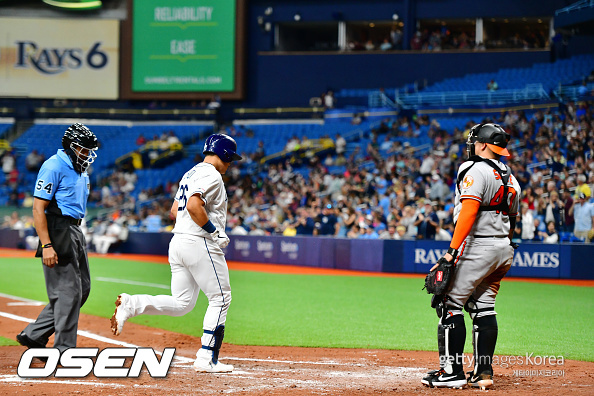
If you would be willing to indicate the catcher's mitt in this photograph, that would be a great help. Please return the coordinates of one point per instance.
(438, 280)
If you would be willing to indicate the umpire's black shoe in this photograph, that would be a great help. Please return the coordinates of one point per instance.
(24, 340)
(441, 379)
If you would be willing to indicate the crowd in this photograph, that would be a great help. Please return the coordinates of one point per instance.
(391, 190)
(404, 195)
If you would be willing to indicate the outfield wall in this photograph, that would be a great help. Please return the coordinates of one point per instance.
(532, 260)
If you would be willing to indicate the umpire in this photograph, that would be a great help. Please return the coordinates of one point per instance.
(60, 201)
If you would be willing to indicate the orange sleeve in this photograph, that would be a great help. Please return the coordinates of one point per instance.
(466, 218)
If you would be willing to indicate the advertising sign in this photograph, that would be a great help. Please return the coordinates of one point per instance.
(59, 58)
(183, 46)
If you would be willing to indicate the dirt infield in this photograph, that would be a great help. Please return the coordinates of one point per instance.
(269, 370)
(266, 370)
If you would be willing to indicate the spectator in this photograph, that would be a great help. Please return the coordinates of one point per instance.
(239, 228)
(153, 222)
(555, 211)
(255, 230)
(140, 140)
(305, 223)
(172, 139)
(260, 152)
(396, 38)
(369, 233)
(340, 144)
(427, 222)
(33, 161)
(416, 43)
(329, 100)
(401, 233)
(527, 223)
(568, 218)
(369, 46)
(441, 234)
(354, 232)
(389, 232)
(326, 223)
(550, 236)
(8, 162)
(492, 86)
(583, 212)
(582, 186)
(114, 233)
(386, 45)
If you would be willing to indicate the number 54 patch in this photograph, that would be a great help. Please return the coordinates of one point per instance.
(48, 187)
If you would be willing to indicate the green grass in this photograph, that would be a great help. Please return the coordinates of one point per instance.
(7, 342)
(338, 311)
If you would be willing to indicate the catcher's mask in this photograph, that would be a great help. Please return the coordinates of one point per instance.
(492, 134)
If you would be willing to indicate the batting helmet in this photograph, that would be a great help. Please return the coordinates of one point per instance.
(222, 145)
(492, 134)
(76, 138)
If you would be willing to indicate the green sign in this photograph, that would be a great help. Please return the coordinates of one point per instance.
(183, 46)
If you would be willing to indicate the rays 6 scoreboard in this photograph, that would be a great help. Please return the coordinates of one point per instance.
(183, 49)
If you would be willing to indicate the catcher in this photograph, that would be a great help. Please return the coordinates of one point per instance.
(468, 276)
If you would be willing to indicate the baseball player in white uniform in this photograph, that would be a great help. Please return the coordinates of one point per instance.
(195, 255)
(486, 206)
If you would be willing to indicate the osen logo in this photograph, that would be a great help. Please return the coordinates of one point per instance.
(109, 363)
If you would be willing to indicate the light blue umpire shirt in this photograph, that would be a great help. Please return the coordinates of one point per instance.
(58, 179)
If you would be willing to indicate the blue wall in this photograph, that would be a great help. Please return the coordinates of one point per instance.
(290, 80)
(532, 260)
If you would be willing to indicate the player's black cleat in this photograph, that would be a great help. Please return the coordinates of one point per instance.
(441, 379)
(483, 380)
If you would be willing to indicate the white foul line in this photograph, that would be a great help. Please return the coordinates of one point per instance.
(25, 303)
(16, 378)
(131, 282)
(290, 361)
(21, 299)
(181, 359)
(84, 333)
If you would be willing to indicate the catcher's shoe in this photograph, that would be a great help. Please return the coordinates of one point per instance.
(204, 363)
(441, 379)
(483, 380)
(121, 313)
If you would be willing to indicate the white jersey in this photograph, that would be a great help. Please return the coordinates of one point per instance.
(205, 180)
(483, 184)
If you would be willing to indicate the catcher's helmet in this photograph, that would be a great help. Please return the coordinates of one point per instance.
(492, 134)
(222, 145)
(76, 139)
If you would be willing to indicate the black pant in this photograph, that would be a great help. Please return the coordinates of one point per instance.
(68, 285)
